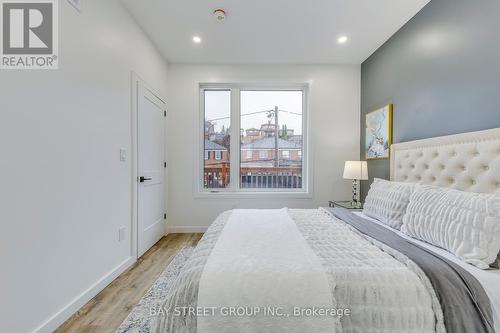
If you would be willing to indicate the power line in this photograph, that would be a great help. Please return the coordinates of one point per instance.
(256, 112)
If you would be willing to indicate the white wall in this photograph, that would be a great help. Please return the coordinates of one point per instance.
(64, 192)
(334, 101)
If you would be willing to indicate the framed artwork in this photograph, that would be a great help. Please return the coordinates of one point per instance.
(378, 133)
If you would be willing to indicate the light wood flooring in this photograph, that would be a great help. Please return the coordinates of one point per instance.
(106, 311)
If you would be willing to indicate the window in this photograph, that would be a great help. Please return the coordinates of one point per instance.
(278, 114)
(269, 128)
(216, 138)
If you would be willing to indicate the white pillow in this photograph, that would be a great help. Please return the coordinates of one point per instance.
(387, 201)
(464, 223)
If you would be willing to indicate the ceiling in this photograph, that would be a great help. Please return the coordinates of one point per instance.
(271, 31)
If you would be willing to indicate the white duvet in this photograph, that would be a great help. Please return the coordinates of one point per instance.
(384, 291)
(489, 279)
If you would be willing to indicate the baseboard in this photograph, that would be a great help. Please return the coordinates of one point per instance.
(186, 230)
(65, 313)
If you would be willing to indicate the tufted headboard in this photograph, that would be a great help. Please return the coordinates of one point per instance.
(467, 162)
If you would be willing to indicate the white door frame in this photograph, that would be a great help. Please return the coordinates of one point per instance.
(135, 82)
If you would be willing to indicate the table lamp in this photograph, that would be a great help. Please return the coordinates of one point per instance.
(355, 170)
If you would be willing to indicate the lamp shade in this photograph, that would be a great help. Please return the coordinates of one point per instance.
(356, 170)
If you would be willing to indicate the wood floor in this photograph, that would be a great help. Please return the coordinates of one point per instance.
(106, 311)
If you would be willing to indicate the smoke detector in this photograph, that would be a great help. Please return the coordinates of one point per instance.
(220, 15)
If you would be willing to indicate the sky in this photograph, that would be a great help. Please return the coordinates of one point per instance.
(218, 105)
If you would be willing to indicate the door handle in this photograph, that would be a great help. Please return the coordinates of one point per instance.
(142, 179)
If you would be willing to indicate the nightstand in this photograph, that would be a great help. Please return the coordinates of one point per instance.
(345, 204)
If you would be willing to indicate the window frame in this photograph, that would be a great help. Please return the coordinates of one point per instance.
(233, 189)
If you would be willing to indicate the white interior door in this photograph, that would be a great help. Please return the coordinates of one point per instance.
(151, 143)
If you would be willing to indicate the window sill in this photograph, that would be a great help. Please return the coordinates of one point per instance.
(253, 195)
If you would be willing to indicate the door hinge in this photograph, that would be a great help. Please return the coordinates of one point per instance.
(165, 216)
(165, 164)
(164, 113)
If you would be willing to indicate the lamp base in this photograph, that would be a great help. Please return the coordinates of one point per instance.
(355, 193)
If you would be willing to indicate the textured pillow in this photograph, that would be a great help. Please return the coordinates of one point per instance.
(496, 264)
(387, 201)
(464, 223)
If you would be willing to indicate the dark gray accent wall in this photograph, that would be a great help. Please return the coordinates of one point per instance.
(441, 71)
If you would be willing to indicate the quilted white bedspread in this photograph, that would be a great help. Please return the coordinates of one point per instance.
(384, 291)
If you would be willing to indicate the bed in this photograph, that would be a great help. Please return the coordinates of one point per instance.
(318, 270)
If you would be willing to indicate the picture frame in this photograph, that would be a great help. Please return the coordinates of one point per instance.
(378, 133)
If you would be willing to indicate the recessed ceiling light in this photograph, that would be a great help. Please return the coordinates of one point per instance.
(342, 39)
(196, 39)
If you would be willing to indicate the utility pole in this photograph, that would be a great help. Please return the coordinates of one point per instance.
(276, 135)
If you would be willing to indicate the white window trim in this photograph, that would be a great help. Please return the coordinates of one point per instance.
(218, 155)
(233, 190)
